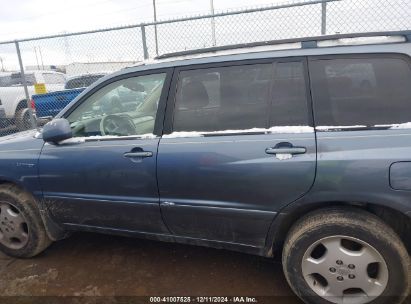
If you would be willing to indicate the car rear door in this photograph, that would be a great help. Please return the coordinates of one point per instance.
(238, 146)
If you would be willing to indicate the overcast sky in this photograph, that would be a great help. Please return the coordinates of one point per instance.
(33, 18)
(27, 18)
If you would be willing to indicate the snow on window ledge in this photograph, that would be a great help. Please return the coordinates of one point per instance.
(405, 125)
(78, 140)
(282, 129)
(327, 128)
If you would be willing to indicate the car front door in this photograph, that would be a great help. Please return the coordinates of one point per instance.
(238, 146)
(105, 176)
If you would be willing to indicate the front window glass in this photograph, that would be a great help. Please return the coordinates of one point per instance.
(122, 108)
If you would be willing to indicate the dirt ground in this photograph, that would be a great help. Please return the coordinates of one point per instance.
(94, 267)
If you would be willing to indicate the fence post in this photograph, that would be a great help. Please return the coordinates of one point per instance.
(323, 18)
(144, 40)
(26, 91)
(155, 26)
(213, 37)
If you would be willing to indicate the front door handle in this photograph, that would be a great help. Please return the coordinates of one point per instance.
(291, 150)
(141, 154)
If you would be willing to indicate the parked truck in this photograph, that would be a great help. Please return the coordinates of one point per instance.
(13, 97)
(49, 105)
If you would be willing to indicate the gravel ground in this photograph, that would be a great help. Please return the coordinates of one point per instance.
(100, 267)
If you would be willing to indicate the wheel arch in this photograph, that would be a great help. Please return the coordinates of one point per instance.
(393, 217)
(12, 181)
(54, 231)
(21, 104)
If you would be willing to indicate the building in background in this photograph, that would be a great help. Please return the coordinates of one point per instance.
(79, 68)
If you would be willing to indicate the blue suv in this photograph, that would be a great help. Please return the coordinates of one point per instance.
(299, 149)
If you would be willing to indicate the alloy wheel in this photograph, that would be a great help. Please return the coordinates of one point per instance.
(14, 231)
(344, 269)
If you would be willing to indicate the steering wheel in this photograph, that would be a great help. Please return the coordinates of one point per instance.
(117, 125)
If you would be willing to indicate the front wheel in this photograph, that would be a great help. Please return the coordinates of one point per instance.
(22, 232)
(339, 255)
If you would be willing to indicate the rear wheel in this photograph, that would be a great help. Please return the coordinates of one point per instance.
(22, 233)
(345, 256)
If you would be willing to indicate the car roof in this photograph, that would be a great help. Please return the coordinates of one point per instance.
(330, 45)
(398, 41)
(311, 46)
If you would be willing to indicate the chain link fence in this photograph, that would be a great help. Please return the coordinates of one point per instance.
(66, 64)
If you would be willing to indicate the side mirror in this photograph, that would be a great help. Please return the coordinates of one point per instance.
(57, 130)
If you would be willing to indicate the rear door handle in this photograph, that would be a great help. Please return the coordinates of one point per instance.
(286, 150)
(141, 154)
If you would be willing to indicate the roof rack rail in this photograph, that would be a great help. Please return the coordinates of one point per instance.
(306, 42)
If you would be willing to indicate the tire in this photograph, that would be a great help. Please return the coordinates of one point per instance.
(4, 123)
(317, 245)
(23, 120)
(22, 232)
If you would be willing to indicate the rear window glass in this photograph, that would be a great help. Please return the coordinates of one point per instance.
(361, 91)
(240, 97)
(289, 94)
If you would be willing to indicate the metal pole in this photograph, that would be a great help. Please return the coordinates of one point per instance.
(2, 66)
(214, 42)
(143, 39)
(323, 18)
(37, 59)
(26, 91)
(155, 26)
(41, 58)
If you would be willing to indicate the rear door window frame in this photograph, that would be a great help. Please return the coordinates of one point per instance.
(171, 102)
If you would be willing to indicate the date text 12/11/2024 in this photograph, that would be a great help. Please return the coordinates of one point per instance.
(239, 299)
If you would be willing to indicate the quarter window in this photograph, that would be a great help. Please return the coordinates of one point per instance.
(361, 91)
